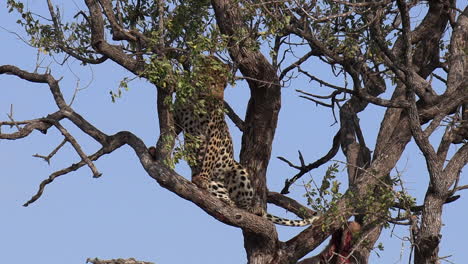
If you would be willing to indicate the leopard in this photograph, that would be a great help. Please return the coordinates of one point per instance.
(201, 119)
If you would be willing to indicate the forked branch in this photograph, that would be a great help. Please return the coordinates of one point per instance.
(303, 168)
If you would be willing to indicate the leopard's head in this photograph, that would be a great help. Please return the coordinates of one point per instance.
(213, 73)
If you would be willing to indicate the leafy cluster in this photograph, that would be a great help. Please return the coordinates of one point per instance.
(322, 198)
(375, 205)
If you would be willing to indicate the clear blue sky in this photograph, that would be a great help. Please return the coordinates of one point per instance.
(127, 214)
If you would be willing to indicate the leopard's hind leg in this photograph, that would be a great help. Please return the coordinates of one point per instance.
(218, 189)
(239, 187)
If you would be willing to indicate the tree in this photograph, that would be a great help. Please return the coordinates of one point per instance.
(376, 47)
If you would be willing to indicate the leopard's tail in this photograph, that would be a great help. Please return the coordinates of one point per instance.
(288, 222)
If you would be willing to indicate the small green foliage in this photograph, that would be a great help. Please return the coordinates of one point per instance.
(188, 150)
(168, 142)
(324, 197)
(122, 85)
(380, 246)
(375, 205)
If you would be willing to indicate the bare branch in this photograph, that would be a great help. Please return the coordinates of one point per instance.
(290, 205)
(322, 82)
(10, 116)
(40, 124)
(77, 147)
(297, 63)
(48, 157)
(37, 78)
(462, 187)
(305, 169)
(455, 166)
(234, 117)
(317, 101)
(359, 92)
(73, 167)
(419, 208)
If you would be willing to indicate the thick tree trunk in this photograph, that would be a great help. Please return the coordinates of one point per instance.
(427, 247)
(260, 121)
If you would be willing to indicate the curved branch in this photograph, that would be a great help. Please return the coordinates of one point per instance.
(40, 124)
(303, 169)
(69, 169)
(102, 46)
(177, 184)
(37, 78)
(290, 205)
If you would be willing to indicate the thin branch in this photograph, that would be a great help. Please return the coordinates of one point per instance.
(317, 101)
(419, 208)
(39, 124)
(18, 36)
(462, 187)
(10, 116)
(14, 123)
(67, 170)
(440, 78)
(297, 63)
(254, 79)
(290, 204)
(77, 147)
(359, 92)
(48, 157)
(303, 169)
(77, 88)
(322, 82)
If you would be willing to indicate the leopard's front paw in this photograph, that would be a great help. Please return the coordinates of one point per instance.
(257, 210)
(200, 181)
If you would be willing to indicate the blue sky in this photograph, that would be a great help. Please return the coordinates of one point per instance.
(127, 214)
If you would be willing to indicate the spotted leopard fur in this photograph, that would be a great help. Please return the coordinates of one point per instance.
(215, 168)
